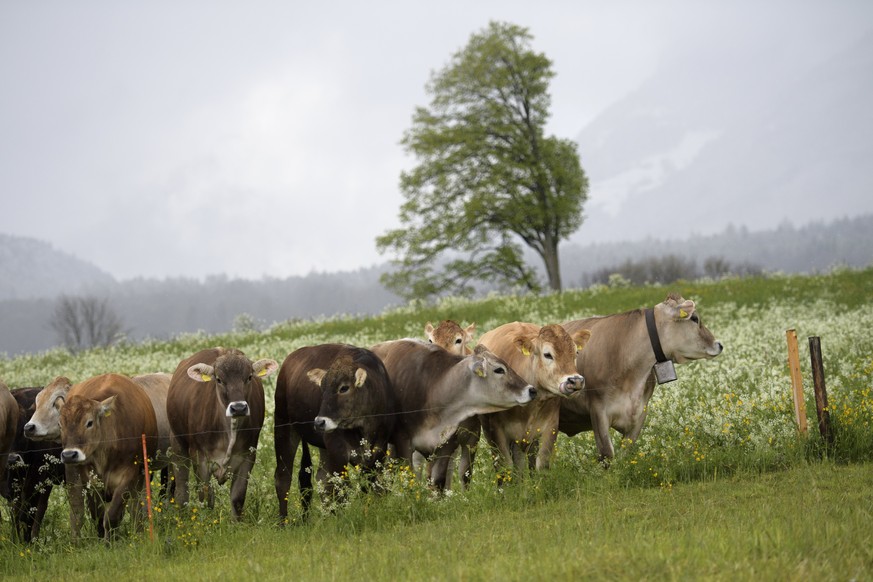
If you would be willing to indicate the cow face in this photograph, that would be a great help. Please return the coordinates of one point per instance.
(450, 336)
(345, 395)
(496, 383)
(81, 423)
(683, 336)
(43, 425)
(553, 354)
(233, 374)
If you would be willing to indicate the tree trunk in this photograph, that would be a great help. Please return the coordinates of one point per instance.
(553, 269)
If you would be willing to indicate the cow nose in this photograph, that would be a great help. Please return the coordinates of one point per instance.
(14, 459)
(576, 382)
(532, 392)
(238, 408)
(29, 428)
(69, 455)
(719, 346)
(320, 423)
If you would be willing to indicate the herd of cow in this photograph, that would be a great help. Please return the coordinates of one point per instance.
(408, 398)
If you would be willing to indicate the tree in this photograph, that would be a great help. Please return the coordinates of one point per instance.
(488, 180)
(85, 322)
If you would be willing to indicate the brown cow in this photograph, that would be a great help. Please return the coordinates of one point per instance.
(618, 363)
(545, 357)
(43, 423)
(34, 468)
(8, 424)
(436, 391)
(450, 336)
(216, 411)
(102, 423)
(335, 397)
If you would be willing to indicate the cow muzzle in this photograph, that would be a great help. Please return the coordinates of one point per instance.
(72, 456)
(527, 395)
(13, 459)
(237, 408)
(572, 384)
(325, 424)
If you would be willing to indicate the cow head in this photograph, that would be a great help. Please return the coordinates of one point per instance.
(496, 383)
(345, 394)
(43, 425)
(683, 336)
(553, 357)
(82, 427)
(233, 374)
(450, 336)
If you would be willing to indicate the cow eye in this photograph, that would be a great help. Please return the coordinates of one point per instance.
(219, 380)
(343, 389)
(89, 424)
(694, 318)
(548, 356)
(499, 371)
(457, 341)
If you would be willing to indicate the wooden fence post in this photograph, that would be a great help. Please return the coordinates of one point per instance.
(821, 393)
(796, 381)
(148, 487)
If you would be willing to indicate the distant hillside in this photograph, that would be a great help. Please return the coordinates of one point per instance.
(31, 269)
(751, 146)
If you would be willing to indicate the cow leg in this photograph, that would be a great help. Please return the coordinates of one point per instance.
(546, 449)
(465, 464)
(36, 511)
(440, 471)
(286, 441)
(600, 426)
(239, 484)
(181, 471)
(304, 480)
(114, 511)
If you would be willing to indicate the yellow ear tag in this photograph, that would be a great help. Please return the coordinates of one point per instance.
(480, 372)
(525, 351)
(683, 314)
(206, 377)
(108, 412)
(262, 372)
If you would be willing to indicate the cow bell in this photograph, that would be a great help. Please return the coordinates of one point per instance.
(664, 372)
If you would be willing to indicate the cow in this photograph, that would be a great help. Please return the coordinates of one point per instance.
(34, 468)
(102, 423)
(43, 423)
(335, 397)
(545, 357)
(215, 407)
(453, 338)
(436, 391)
(8, 424)
(618, 366)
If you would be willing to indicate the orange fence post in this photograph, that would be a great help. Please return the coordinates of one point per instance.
(796, 382)
(148, 484)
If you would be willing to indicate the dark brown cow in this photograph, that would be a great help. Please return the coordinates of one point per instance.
(102, 423)
(8, 424)
(335, 397)
(618, 362)
(216, 410)
(455, 339)
(436, 391)
(34, 468)
(545, 357)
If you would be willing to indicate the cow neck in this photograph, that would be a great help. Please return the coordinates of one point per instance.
(653, 336)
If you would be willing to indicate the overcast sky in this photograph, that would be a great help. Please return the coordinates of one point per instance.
(254, 138)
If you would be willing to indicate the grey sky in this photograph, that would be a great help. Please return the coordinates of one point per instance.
(261, 138)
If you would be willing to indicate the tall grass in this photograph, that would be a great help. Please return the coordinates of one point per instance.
(724, 420)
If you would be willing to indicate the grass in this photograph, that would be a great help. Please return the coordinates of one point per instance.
(719, 486)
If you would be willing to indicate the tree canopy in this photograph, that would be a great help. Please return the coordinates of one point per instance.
(488, 181)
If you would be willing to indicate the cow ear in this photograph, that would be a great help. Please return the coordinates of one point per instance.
(360, 377)
(201, 372)
(265, 367)
(581, 338)
(524, 345)
(470, 331)
(107, 406)
(682, 310)
(477, 366)
(316, 375)
(428, 331)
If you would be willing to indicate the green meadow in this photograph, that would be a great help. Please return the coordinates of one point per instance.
(719, 486)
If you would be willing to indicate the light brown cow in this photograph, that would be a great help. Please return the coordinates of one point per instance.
(453, 338)
(43, 425)
(216, 411)
(437, 390)
(8, 424)
(102, 423)
(618, 362)
(545, 357)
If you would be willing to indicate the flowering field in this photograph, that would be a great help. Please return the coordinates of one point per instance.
(729, 415)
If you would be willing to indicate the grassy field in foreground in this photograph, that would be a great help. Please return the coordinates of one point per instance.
(718, 486)
(810, 522)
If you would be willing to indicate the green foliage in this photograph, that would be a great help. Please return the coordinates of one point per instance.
(718, 447)
(488, 179)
